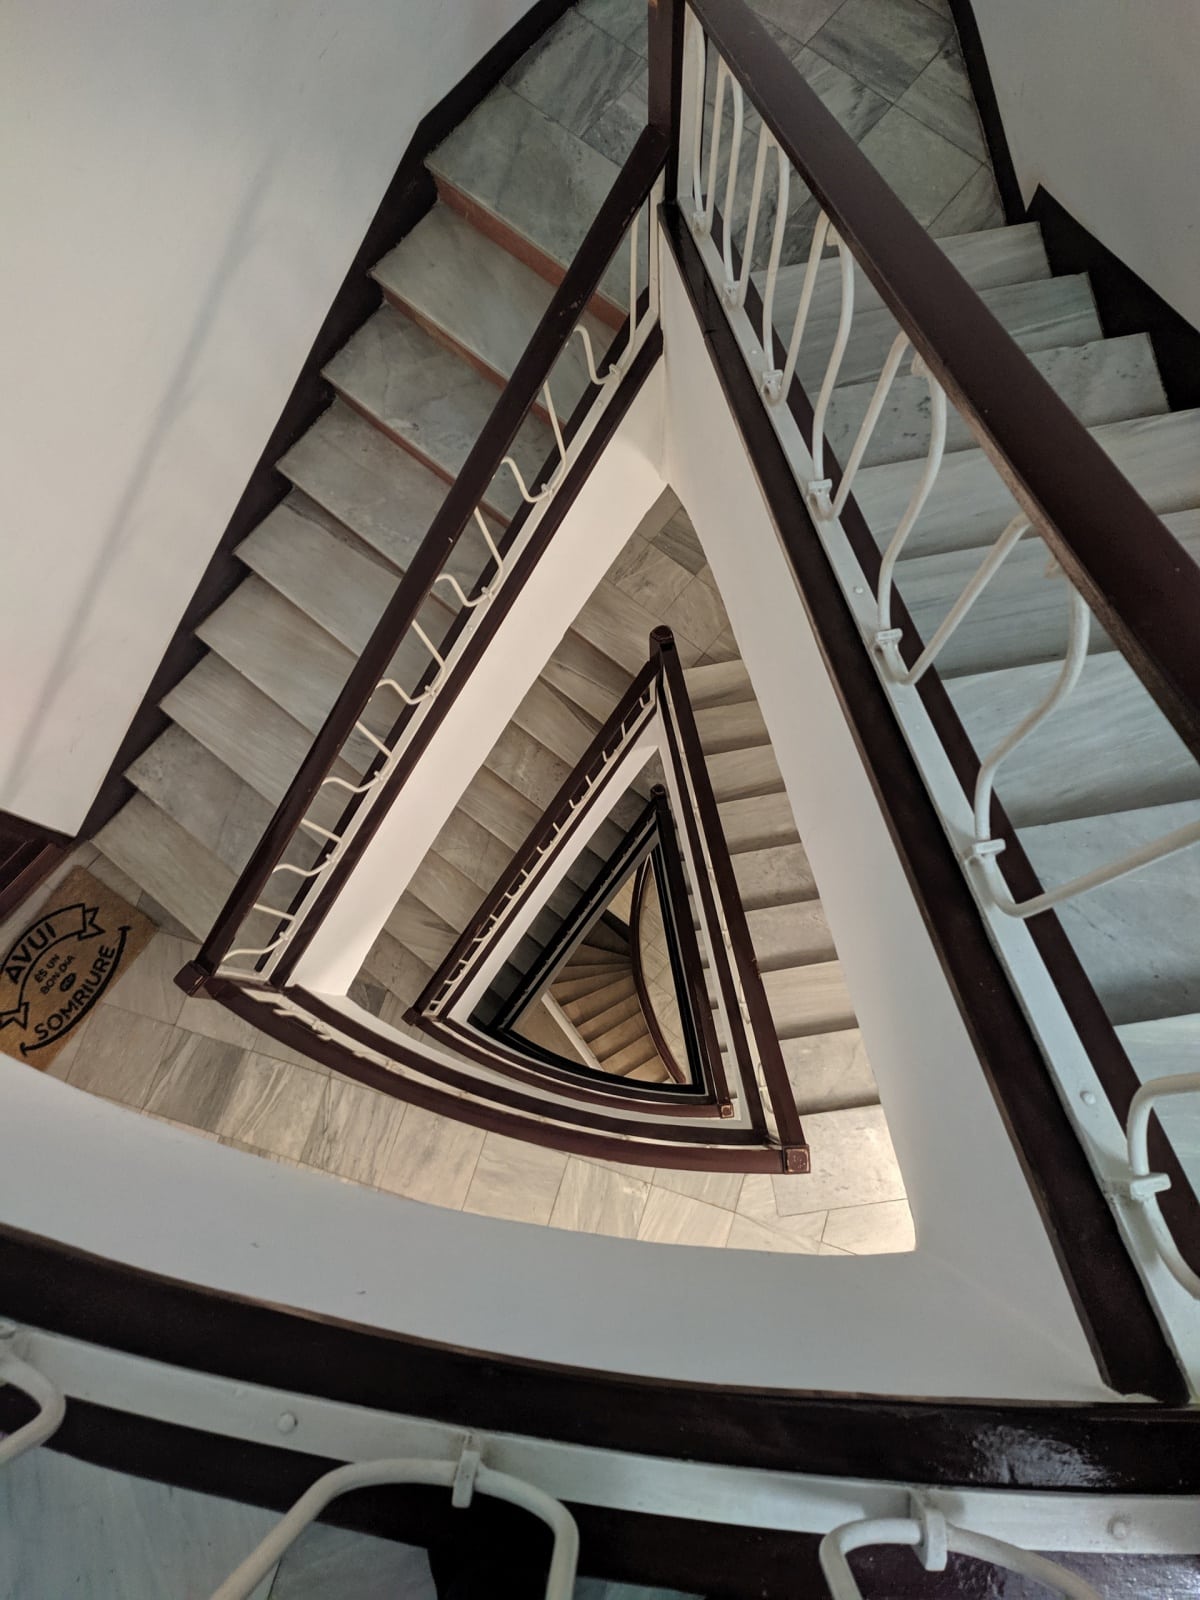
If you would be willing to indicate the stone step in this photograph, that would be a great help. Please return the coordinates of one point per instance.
(987, 260)
(718, 683)
(736, 727)
(1136, 937)
(585, 997)
(468, 290)
(1106, 748)
(736, 774)
(757, 822)
(431, 401)
(810, 999)
(777, 875)
(969, 505)
(1045, 315)
(170, 864)
(829, 1071)
(1107, 381)
(202, 795)
(638, 1060)
(619, 1037)
(602, 1022)
(790, 935)
(1020, 617)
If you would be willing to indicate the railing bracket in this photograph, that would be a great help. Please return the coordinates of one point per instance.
(1138, 1187)
(818, 496)
(462, 1491)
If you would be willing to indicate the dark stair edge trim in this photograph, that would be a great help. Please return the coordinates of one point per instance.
(1114, 1310)
(727, 1561)
(1125, 302)
(409, 195)
(1104, 1447)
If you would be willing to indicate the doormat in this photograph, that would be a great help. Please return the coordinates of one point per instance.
(56, 969)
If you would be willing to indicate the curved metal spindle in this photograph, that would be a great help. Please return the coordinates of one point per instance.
(409, 700)
(350, 788)
(274, 911)
(373, 739)
(487, 536)
(1143, 1186)
(700, 67)
(882, 389)
(772, 378)
(816, 250)
(597, 377)
(464, 599)
(933, 464)
(266, 950)
(888, 643)
(818, 489)
(734, 291)
(1078, 630)
(556, 476)
(731, 177)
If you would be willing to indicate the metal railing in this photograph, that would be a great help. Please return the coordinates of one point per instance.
(747, 216)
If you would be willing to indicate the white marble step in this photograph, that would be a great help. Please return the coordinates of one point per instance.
(736, 774)
(758, 822)
(203, 795)
(1044, 315)
(529, 172)
(430, 400)
(969, 505)
(776, 875)
(1136, 937)
(790, 935)
(718, 683)
(242, 727)
(620, 1035)
(809, 999)
(731, 727)
(987, 260)
(1106, 748)
(186, 879)
(1108, 381)
(1022, 614)
(830, 1071)
(286, 655)
(454, 280)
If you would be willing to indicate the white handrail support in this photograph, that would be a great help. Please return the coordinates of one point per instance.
(51, 1404)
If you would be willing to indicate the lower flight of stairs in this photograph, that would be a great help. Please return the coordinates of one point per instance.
(412, 388)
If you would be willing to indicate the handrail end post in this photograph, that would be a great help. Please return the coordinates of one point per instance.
(193, 977)
(795, 1158)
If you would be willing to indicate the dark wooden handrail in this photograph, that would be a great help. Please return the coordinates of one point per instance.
(1141, 584)
(580, 282)
(762, 1024)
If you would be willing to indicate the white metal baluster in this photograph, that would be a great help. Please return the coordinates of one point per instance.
(886, 378)
(374, 739)
(731, 178)
(52, 1407)
(488, 540)
(888, 643)
(816, 250)
(734, 291)
(409, 700)
(597, 377)
(1078, 629)
(818, 489)
(351, 788)
(772, 376)
(430, 646)
(933, 464)
(1143, 1186)
(700, 63)
(555, 477)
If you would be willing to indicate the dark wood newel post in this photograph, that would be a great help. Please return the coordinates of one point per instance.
(665, 29)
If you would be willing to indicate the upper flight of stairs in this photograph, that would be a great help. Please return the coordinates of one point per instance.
(413, 386)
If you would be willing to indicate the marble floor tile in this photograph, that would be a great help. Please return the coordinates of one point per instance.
(853, 1163)
(196, 1080)
(830, 1250)
(264, 1045)
(830, 1071)
(885, 44)
(714, 1188)
(976, 207)
(148, 986)
(648, 575)
(119, 1054)
(882, 1229)
(574, 72)
(856, 107)
(614, 130)
(677, 539)
(515, 1180)
(327, 1561)
(120, 882)
(162, 918)
(746, 1234)
(925, 170)
(199, 1014)
(595, 1199)
(799, 19)
(697, 615)
(675, 1219)
(623, 19)
(354, 1132)
(432, 1159)
(941, 98)
(757, 1208)
(272, 1107)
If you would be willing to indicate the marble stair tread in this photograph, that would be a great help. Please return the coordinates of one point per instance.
(620, 1036)
(1044, 315)
(420, 930)
(738, 773)
(776, 875)
(368, 483)
(201, 794)
(431, 401)
(1136, 937)
(1106, 748)
(790, 935)
(725, 728)
(286, 655)
(516, 165)
(829, 1071)
(809, 999)
(554, 722)
(169, 863)
(400, 972)
(718, 683)
(508, 815)
(631, 1059)
(757, 821)
(455, 280)
(1107, 381)
(987, 260)
(970, 506)
(242, 727)
(583, 1004)
(1021, 615)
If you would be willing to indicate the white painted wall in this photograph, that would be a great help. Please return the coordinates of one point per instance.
(1101, 104)
(183, 187)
